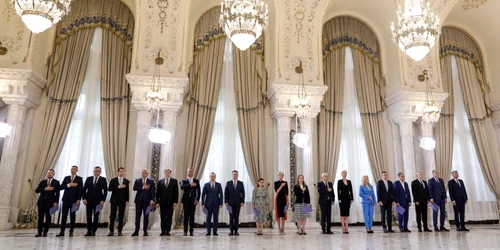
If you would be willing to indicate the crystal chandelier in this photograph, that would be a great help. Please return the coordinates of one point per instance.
(431, 113)
(417, 29)
(154, 97)
(302, 106)
(472, 4)
(39, 15)
(243, 21)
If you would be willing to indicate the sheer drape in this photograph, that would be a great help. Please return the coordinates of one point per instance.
(482, 202)
(353, 153)
(83, 146)
(226, 153)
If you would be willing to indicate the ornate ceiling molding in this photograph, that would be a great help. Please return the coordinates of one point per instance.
(409, 105)
(172, 89)
(284, 95)
(21, 87)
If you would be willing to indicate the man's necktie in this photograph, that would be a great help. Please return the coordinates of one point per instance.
(166, 182)
(95, 181)
(422, 183)
(72, 179)
(458, 182)
(120, 181)
(386, 186)
(403, 185)
(213, 185)
(234, 184)
(437, 180)
(48, 182)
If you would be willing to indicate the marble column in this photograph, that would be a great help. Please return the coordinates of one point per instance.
(307, 160)
(168, 150)
(429, 156)
(283, 148)
(142, 145)
(15, 118)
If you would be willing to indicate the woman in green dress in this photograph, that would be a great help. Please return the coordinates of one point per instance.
(260, 203)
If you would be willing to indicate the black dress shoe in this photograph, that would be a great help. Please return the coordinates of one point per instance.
(427, 230)
(44, 235)
(391, 231)
(407, 231)
(120, 234)
(436, 229)
(323, 232)
(88, 234)
(92, 234)
(329, 232)
(111, 234)
(60, 234)
(236, 233)
(231, 233)
(385, 230)
(135, 234)
(185, 234)
(465, 229)
(216, 234)
(444, 229)
(38, 235)
(191, 234)
(459, 229)
(420, 230)
(145, 234)
(207, 234)
(70, 234)
(167, 234)
(163, 234)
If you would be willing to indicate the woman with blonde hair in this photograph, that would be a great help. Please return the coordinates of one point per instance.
(281, 201)
(346, 197)
(368, 201)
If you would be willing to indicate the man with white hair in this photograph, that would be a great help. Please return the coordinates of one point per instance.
(326, 200)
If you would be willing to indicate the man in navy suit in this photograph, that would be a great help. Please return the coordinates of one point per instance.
(145, 188)
(437, 195)
(167, 195)
(95, 191)
(119, 187)
(385, 196)
(458, 196)
(234, 196)
(190, 199)
(326, 201)
(211, 199)
(49, 190)
(403, 199)
(72, 186)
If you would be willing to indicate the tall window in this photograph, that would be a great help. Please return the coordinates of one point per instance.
(353, 153)
(83, 145)
(482, 202)
(225, 153)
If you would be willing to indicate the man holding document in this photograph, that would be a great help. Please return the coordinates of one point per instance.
(437, 196)
(47, 202)
(234, 196)
(403, 202)
(95, 192)
(144, 200)
(211, 201)
(72, 186)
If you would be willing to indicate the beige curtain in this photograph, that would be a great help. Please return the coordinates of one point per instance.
(250, 86)
(204, 82)
(444, 127)
(370, 90)
(115, 92)
(67, 70)
(455, 42)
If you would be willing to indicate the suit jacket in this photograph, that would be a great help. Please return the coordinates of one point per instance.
(167, 195)
(212, 197)
(385, 196)
(72, 194)
(420, 194)
(457, 193)
(48, 198)
(301, 196)
(95, 194)
(325, 197)
(144, 196)
(119, 196)
(437, 191)
(365, 193)
(402, 196)
(190, 193)
(234, 196)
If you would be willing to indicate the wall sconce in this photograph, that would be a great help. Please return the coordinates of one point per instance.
(3, 50)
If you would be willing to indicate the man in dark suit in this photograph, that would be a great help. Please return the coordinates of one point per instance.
(403, 199)
(234, 196)
(211, 199)
(458, 196)
(167, 196)
(119, 187)
(437, 195)
(95, 192)
(420, 191)
(385, 195)
(144, 198)
(190, 199)
(326, 201)
(49, 190)
(72, 186)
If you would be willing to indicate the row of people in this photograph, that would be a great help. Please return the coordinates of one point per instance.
(94, 193)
